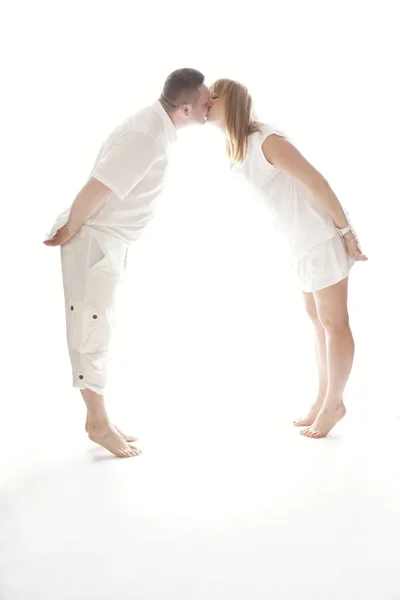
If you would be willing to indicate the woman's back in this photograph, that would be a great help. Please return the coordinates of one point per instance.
(295, 213)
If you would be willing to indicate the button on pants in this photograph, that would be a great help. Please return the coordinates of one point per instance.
(93, 265)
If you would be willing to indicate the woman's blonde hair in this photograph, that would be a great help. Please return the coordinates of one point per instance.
(240, 120)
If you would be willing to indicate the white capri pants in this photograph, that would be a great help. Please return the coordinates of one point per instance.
(93, 265)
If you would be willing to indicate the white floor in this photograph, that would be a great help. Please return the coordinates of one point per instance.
(220, 505)
(227, 501)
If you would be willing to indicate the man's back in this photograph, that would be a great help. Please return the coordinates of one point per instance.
(132, 163)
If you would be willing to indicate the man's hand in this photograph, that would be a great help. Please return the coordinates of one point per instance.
(62, 236)
(90, 200)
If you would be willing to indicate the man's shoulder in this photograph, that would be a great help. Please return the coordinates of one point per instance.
(146, 121)
(142, 127)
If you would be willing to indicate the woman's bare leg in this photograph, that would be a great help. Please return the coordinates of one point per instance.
(331, 304)
(321, 357)
(101, 431)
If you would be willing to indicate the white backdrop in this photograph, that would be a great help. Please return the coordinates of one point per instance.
(212, 342)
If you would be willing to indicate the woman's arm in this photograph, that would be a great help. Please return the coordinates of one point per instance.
(282, 154)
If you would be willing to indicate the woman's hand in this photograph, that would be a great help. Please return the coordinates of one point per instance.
(353, 246)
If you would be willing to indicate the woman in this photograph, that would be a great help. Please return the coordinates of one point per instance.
(323, 243)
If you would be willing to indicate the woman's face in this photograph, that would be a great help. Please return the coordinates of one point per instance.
(216, 114)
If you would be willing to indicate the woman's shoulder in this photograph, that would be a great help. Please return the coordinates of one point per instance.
(267, 129)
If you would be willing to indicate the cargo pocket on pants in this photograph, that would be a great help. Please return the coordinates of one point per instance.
(89, 329)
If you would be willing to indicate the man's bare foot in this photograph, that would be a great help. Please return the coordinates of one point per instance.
(128, 438)
(107, 436)
(325, 422)
(311, 415)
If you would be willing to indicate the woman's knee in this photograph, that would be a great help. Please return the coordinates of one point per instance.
(312, 313)
(311, 309)
(334, 322)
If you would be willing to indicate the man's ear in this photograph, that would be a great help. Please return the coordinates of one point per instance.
(186, 110)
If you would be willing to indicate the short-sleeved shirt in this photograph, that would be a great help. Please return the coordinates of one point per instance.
(132, 162)
(295, 213)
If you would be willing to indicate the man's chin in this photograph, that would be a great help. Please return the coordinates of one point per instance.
(201, 121)
(211, 121)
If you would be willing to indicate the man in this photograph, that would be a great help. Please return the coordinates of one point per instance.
(108, 214)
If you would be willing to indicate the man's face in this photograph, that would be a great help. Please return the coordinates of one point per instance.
(200, 110)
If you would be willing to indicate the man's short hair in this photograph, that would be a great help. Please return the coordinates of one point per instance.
(181, 87)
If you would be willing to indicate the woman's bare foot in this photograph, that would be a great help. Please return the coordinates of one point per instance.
(325, 422)
(128, 438)
(107, 436)
(311, 415)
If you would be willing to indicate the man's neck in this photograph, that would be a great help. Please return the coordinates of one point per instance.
(169, 112)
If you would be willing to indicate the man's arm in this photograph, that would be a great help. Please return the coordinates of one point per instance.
(118, 172)
(90, 199)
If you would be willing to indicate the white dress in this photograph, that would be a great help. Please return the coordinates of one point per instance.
(319, 256)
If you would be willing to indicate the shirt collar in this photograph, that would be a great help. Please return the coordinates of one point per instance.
(170, 128)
